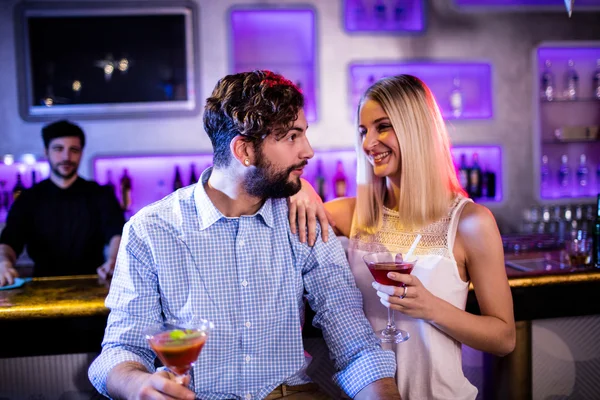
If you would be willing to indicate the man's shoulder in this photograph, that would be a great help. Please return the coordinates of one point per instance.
(168, 211)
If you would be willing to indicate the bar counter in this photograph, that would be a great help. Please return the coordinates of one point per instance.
(71, 313)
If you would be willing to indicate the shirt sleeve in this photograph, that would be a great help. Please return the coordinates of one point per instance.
(14, 233)
(113, 218)
(134, 303)
(337, 302)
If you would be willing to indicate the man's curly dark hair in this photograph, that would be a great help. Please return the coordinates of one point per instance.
(252, 104)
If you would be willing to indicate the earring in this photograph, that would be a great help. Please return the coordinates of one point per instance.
(247, 162)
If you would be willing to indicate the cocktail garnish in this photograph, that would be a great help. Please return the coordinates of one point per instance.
(177, 334)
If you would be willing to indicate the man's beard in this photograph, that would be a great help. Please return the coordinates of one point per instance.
(56, 170)
(265, 182)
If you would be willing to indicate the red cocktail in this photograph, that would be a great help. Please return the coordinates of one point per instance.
(379, 270)
(178, 345)
(380, 264)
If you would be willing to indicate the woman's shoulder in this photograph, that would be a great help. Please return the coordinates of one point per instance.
(475, 220)
(342, 211)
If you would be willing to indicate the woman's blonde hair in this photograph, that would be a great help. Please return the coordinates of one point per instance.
(428, 182)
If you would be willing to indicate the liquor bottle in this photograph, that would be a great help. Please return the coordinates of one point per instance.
(380, 10)
(401, 10)
(489, 184)
(564, 174)
(456, 99)
(582, 175)
(18, 188)
(596, 80)
(475, 180)
(596, 253)
(547, 84)
(572, 81)
(33, 177)
(109, 181)
(339, 180)
(193, 175)
(125, 189)
(463, 173)
(545, 174)
(4, 196)
(177, 182)
(320, 183)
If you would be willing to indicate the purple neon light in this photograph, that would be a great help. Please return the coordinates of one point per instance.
(529, 3)
(147, 172)
(475, 83)
(561, 113)
(384, 16)
(280, 40)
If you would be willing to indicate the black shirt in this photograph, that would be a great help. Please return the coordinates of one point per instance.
(65, 230)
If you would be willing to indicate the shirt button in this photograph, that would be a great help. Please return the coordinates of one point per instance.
(241, 242)
(244, 283)
(248, 358)
(248, 396)
(248, 324)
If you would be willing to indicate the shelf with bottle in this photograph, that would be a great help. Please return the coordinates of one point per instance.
(279, 39)
(479, 171)
(463, 90)
(570, 173)
(18, 175)
(142, 180)
(567, 90)
(384, 16)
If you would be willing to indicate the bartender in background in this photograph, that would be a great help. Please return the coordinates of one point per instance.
(65, 221)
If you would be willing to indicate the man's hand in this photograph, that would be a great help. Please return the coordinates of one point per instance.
(105, 271)
(306, 207)
(163, 384)
(7, 273)
(130, 380)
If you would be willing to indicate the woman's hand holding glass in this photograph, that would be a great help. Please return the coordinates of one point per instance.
(413, 299)
(306, 208)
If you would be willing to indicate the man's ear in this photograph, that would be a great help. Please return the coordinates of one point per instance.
(242, 150)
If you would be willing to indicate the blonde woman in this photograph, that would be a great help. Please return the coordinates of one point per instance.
(407, 186)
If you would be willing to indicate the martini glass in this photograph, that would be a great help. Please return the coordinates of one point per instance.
(178, 345)
(380, 264)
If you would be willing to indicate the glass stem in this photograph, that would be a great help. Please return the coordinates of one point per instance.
(391, 324)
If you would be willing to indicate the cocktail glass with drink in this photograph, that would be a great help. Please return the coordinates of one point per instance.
(178, 345)
(380, 264)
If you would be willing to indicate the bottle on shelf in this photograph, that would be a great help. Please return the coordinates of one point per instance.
(380, 10)
(339, 180)
(18, 188)
(320, 183)
(193, 174)
(33, 176)
(582, 176)
(463, 173)
(109, 181)
(596, 80)
(564, 175)
(547, 84)
(401, 10)
(456, 98)
(125, 189)
(177, 182)
(596, 240)
(571, 81)
(475, 180)
(4, 196)
(545, 180)
(488, 187)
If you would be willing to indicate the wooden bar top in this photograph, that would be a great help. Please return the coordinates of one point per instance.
(83, 295)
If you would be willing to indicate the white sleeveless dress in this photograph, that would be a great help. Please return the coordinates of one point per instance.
(430, 362)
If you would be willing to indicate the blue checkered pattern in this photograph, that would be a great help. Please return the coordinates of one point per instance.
(181, 258)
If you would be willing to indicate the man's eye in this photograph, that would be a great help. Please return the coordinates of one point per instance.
(362, 133)
(292, 137)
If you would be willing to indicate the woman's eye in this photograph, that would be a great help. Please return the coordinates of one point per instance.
(383, 127)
